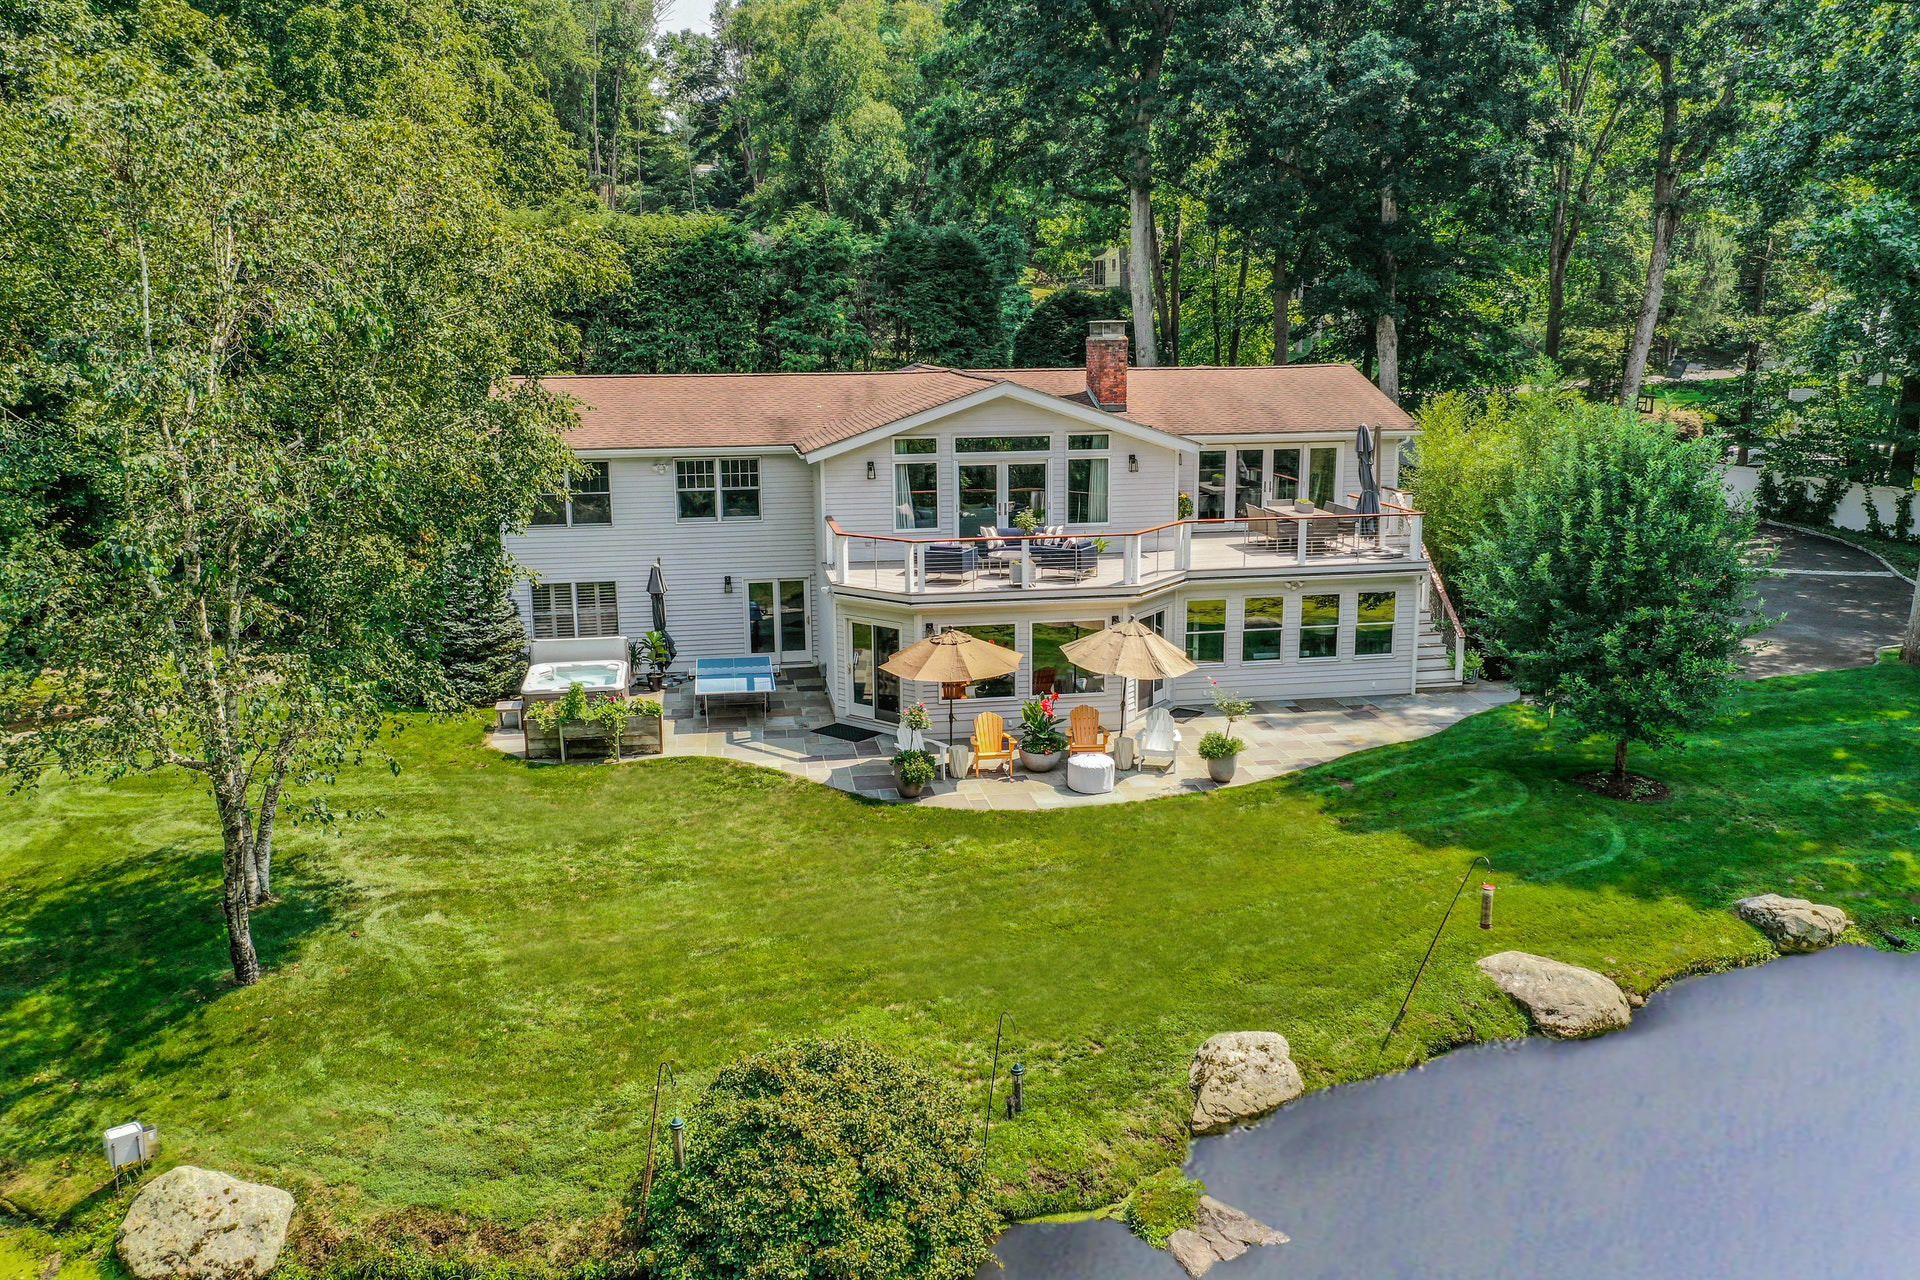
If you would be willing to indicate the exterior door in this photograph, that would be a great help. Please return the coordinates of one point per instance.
(1151, 690)
(777, 619)
(979, 497)
(876, 693)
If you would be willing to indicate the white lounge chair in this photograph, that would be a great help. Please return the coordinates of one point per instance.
(1159, 742)
(906, 739)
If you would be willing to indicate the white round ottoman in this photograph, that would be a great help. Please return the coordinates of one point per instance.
(1089, 772)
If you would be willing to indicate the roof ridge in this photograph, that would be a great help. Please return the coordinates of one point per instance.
(770, 373)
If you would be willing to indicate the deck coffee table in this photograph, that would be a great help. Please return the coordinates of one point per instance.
(1009, 562)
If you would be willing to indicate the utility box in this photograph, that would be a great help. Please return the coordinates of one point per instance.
(130, 1144)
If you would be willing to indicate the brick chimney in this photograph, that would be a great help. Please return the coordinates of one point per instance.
(1107, 363)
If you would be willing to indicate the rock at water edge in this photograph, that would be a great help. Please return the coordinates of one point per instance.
(1239, 1075)
(1563, 999)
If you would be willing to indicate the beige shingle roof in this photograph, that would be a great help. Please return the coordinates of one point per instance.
(807, 411)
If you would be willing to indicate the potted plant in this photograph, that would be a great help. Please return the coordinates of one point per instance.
(1042, 745)
(915, 717)
(1222, 753)
(1027, 520)
(655, 651)
(1183, 506)
(912, 771)
(1219, 748)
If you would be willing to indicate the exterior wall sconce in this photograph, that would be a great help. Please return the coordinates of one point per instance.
(660, 468)
(1133, 462)
(873, 472)
(726, 584)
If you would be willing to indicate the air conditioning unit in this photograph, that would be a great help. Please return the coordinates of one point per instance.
(130, 1144)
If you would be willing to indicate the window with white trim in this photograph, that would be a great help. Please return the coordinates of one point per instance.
(916, 495)
(562, 610)
(1320, 626)
(588, 500)
(1207, 630)
(1262, 623)
(1373, 622)
(718, 488)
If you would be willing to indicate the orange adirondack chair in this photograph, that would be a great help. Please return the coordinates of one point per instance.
(991, 742)
(1084, 732)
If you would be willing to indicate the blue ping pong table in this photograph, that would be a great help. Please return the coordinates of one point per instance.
(732, 678)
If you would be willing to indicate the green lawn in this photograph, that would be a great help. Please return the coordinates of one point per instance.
(469, 989)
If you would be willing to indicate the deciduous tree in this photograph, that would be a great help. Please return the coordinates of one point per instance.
(1615, 584)
(269, 352)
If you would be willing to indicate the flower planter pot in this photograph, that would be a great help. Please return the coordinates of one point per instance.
(908, 790)
(1041, 762)
(1221, 770)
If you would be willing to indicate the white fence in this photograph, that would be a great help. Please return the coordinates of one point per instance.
(1741, 482)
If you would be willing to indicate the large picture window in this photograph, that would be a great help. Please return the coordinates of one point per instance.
(916, 495)
(1000, 633)
(1373, 624)
(1319, 626)
(588, 500)
(1086, 490)
(562, 610)
(1260, 632)
(1053, 671)
(718, 488)
(1207, 630)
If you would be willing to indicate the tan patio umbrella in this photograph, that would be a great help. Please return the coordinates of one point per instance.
(952, 657)
(1132, 649)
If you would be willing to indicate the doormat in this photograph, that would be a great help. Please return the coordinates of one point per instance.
(846, 732)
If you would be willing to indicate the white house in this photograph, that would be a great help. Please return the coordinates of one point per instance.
(831, 519)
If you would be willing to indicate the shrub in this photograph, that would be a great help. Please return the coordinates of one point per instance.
(1218, 746)
(1162, 1204)
(819, 1159)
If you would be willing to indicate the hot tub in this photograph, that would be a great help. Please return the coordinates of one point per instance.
(558, 677)
(597, 664)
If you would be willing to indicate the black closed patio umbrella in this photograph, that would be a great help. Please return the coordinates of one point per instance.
(1369, 504)
(657, 591)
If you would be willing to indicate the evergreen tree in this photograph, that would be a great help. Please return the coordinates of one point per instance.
(1055, 335)
(483, 643)
(1615, 584)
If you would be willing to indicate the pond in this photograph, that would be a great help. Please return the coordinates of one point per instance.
(1762, 1122)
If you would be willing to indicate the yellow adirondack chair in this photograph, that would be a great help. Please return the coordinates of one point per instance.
(991, 742)
(1084, 732)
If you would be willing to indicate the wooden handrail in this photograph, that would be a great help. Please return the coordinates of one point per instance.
(1440, 585)
(833, 526)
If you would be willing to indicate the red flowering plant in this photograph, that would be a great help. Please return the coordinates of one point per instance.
(1040, 727)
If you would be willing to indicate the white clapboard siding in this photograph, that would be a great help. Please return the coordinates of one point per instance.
(1136, 499)
(704, 618)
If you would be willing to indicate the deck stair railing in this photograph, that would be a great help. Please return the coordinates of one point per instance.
(1447, 619)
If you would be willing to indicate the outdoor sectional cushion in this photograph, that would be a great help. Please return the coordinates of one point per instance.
(951, 557)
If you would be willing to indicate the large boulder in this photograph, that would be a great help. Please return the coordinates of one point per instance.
(1219, 1233)
(201, 1225)
(1563, 999)
(1793, 924)
(1238, 1075)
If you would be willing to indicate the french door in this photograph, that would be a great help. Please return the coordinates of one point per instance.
(876, 693)
(988, 488)
(1150, 690)
(777, 619)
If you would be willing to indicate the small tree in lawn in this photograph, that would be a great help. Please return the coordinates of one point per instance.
(482, 642)
(1614, 583)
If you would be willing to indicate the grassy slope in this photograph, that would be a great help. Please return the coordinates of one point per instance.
(470, 989)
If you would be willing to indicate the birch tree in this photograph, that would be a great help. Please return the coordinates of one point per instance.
(259, 396)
